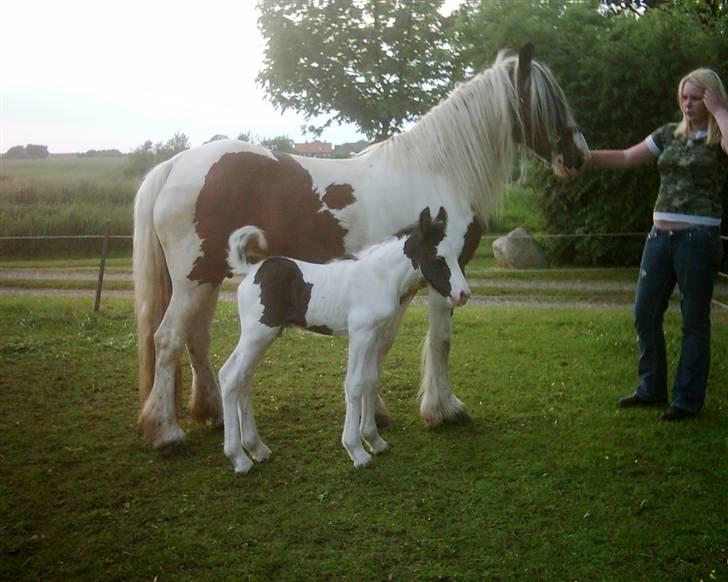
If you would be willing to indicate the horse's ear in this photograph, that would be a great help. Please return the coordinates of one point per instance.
(425, 218)
(441, 214)
(525, 56)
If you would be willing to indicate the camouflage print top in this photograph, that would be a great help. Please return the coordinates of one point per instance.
(693, 176)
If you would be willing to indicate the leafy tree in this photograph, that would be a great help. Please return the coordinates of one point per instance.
(705, 10)
(15, 153)
(101, 154)
(28, 151)
(179, 142)
(146, 156)
(375, 63)
(281, 143)
(36, 151)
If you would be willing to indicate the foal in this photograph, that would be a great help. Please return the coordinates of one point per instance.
(358, 296)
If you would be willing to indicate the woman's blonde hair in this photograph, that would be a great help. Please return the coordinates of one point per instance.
(705, 79)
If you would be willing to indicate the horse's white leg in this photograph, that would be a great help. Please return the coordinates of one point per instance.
(383, 419)
(157, 420)
(205, 400)
(236, 380)
(360, 379)
(438, 404)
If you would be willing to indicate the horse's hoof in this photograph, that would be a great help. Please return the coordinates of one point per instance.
(242, 465)
(260, 453)
(170, 441)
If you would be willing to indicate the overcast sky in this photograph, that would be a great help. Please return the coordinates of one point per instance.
(78, 75)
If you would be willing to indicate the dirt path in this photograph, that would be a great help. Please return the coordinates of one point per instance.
(92, 275)
(228, 293)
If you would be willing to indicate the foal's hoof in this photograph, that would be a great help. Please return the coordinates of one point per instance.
(260, 452)
(364, 460)
(242, 464)
(379, 446)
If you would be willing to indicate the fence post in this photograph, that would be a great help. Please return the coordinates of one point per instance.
(102, 266)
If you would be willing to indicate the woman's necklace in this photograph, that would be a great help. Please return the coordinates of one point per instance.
(698, 134)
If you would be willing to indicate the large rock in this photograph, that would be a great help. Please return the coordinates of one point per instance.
(518, 250)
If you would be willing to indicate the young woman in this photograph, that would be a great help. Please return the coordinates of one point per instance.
(683, 246)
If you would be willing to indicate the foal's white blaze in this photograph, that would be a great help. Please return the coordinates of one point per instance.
(460, 291)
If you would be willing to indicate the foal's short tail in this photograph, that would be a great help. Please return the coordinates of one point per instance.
(237, 244)
(152, 284)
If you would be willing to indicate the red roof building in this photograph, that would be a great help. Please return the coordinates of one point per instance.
(314, 149)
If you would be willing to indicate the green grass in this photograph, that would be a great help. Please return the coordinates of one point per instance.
(550, 480)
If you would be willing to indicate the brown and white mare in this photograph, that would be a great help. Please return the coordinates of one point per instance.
(459, 156)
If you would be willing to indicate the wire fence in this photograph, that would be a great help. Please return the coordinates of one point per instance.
(105, 238)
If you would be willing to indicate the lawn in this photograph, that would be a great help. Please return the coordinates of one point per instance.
(550, 480)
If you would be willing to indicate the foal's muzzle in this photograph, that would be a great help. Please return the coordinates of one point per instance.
(459, 299)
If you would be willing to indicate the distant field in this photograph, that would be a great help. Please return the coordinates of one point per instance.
(69, 196)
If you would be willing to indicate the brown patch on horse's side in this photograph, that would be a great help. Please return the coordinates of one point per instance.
(283, 293)
(339, 196)
(472, 240)
(276, 195)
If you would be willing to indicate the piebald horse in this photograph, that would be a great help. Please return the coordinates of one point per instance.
(459, 156)
(357, 296)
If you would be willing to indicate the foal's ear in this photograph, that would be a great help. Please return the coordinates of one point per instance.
(425, 218)
(441, 215)
(525, 56)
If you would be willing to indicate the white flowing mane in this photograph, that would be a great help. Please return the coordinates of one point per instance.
(468, 137)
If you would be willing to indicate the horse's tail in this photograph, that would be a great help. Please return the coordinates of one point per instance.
(237, 243)
(152, 282)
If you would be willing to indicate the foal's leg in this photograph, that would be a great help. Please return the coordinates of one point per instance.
(231, 380)
(257, 344)
(385, 344)
(361, 379)
(157, 420)
(236, 379)
(438, 403)
(368, 426)
(205, 402)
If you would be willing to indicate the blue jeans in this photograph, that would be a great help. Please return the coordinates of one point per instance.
(689, 258)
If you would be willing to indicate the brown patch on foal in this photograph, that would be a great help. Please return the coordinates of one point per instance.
(283, 293)
(276, 195)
